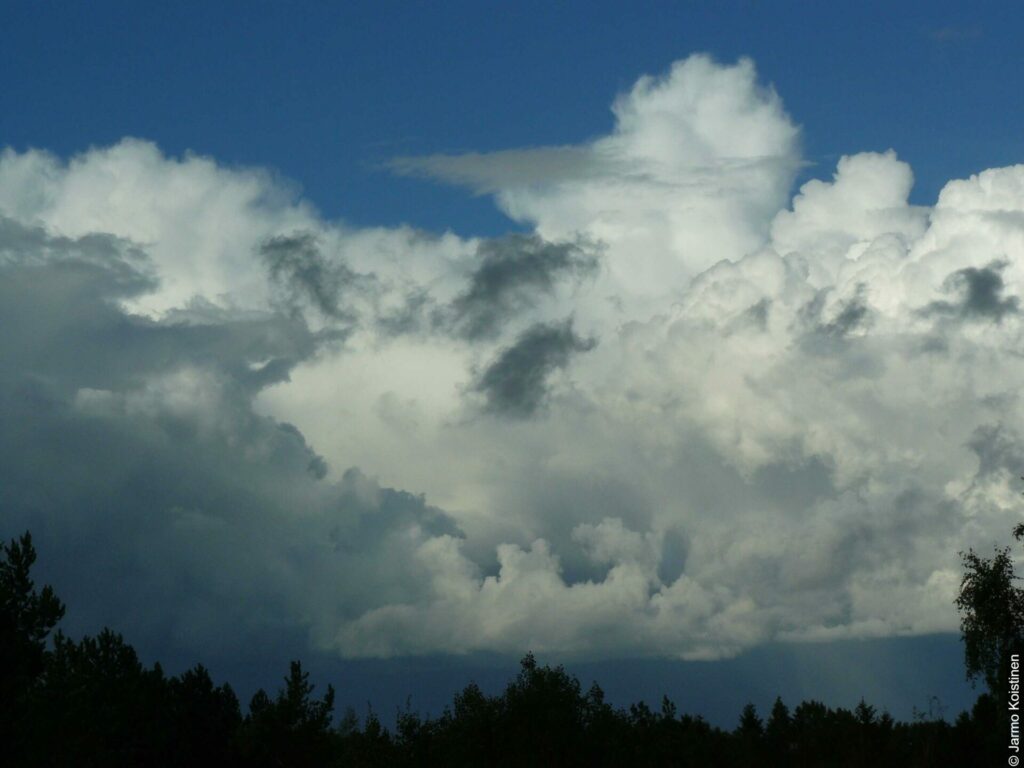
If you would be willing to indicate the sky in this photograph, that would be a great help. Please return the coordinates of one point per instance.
(680, 346)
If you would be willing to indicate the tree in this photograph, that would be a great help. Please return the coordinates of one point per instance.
(778, 733)
(749, 736)
(293, 729)
(27, 617)
(203, 718)
(97, 705)
(991, 616)
(542, 715)
(750, 725)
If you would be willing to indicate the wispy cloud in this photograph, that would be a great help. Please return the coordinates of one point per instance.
(954, 33)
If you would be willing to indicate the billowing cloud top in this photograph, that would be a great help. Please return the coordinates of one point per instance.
(686, 414)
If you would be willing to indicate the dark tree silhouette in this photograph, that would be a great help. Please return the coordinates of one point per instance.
(778, 734)
(27, 617)
(91, 702)
(204, 718)
(294, 729)
(750, 736)
(100, 706)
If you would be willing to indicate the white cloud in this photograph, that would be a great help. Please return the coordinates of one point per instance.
(731, 417)
(698, 163)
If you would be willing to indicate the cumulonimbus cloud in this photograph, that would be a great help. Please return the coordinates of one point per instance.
(687, 414)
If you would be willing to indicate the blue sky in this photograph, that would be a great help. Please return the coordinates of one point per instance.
(326, 93)
(659, 405)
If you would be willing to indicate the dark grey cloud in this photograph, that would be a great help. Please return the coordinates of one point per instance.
(124, 268)
(515, 383)
(998, 449)
(161, 502)
(823, 334)
(393, 510)
(675, 548)
(511, 276)
(59, 308)
(411, 316)
(299, 267)
(758, 313)
(980, 295)
(852, 314)
(512, 273)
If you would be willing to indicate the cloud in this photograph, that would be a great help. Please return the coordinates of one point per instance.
(157, 493)
(489, 173)
(698, 162)
(513, 273)
(688, 413)
(297, 265)
(982, 294)
(956, 33)
(515, 383)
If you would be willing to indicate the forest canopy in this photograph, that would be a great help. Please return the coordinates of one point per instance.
(91, 702)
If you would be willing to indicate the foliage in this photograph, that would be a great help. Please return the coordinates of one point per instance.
(93, 703)
(27, 617)
(992, 616)
(294, 729)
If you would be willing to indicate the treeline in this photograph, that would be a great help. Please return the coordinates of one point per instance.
(92, 703)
